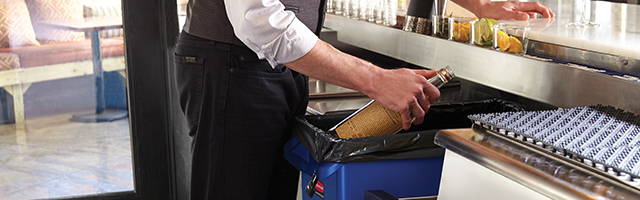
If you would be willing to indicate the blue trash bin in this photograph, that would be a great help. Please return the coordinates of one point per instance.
(348, 181)
(407, 164)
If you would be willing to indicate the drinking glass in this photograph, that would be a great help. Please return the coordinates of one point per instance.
(511, 38)
(330, 6)
(337, 6)
(354, 9)
(390, 12)
(346, 8)
(364, 10)
(460, 28)
(440, 26)
(584, 16)
(378, 11)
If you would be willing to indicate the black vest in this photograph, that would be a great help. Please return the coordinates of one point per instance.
(208, 18)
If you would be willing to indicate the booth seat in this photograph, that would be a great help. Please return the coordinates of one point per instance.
(31, 53)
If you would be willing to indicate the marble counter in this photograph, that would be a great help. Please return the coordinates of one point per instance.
(618, 33)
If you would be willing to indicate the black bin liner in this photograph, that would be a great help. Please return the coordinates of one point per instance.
(417, 142)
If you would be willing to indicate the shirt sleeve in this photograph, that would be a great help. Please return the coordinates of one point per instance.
(266, 28)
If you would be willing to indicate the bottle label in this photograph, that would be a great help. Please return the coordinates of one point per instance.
(371, 121)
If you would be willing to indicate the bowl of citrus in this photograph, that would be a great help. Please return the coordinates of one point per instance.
(510, 38)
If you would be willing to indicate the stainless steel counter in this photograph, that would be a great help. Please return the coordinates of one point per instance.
(536, 79)
(548, 174)
(327, 98)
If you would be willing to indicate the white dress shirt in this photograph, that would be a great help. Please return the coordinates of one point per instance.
(266, 28)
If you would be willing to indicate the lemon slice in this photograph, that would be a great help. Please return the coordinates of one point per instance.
(503, 41)
(515, 45)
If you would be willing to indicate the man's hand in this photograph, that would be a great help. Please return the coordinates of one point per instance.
(405, 91)
(514, 10)
(505, 9)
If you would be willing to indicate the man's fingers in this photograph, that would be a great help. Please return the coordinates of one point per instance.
(406, 120)
(520, 16)
(418, 120)
(424, 104)
(535, 7)
(431, 93)
(426, 73)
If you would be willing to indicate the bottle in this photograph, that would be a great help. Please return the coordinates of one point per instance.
(373, 120)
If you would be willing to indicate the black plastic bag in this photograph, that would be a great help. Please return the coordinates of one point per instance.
(417, 142)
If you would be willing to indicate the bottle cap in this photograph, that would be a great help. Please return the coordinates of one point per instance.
(447, 73)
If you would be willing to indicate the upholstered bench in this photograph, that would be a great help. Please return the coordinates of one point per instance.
(30, 53)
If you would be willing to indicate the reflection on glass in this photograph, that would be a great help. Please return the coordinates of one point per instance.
(49, 72)
(585, 14)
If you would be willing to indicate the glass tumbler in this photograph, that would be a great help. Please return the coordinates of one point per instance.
(364, 10)
(440, 26)
(390, 12)
(330, 6)
(346, 8)
(511, 38)
(460, 28)
(337, 7)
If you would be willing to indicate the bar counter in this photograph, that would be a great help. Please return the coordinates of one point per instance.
(618, 33)
(610, 53)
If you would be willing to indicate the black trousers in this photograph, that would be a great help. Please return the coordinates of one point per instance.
(239, 110)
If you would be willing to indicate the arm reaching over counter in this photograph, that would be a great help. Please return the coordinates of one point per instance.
(402, 90)
(505, 9)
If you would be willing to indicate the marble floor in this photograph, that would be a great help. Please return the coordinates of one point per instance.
(55, 157)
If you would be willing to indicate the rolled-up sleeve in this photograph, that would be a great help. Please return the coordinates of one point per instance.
(266, 28)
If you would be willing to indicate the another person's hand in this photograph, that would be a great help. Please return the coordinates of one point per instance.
(512, 10)
(407, 92)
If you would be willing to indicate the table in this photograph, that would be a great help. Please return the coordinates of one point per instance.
(93, 26)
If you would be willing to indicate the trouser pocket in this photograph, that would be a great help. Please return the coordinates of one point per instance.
(189, 72)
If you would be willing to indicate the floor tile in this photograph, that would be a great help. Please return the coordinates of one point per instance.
(55, 157)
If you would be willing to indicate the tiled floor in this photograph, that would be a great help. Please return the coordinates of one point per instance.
(58, 158)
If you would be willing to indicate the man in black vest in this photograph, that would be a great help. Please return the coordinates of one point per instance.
(239, 69)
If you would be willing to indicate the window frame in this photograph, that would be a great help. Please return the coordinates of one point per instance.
(150, 33)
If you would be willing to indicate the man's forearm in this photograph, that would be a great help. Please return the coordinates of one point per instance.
(326, 63)
(405, 91)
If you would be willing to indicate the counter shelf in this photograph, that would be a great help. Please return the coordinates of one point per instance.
(537, 78)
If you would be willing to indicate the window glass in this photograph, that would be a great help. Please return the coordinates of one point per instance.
(64, 128)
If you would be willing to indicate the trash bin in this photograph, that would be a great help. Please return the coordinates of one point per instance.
(406, 164)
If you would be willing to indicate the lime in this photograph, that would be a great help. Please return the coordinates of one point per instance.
(483, 35)
(480, 28)
(491, 22)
